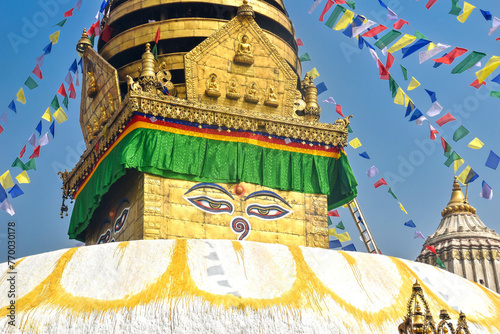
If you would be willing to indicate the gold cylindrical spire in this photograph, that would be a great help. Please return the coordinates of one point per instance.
(83, 42)
(458, 203)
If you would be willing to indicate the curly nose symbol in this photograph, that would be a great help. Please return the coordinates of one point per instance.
(240, 225)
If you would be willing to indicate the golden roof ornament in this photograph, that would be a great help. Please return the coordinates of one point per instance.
(312, 110)
(147, 79)
(245, 10)
(458, 203)
(83, 42)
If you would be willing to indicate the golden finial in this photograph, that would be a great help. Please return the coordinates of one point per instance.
(245, 9)
(458, 203)
(83, 42)
(148, 63)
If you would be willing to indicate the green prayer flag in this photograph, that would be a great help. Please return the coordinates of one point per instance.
(334, 16)
(453, 156)
(155, 51)
(405, 72)
(441, 264)
(387, 39)
(19, 163)
(305, 57)
(340, 226)
(330, 221)
(393, 195)
(30, 83)
(349, 130)
(55, 103)
(31, 164)
(393, 86)
(351, 4)
(60, 24)
(419, 35)
(92, 39)
(468, 62)
(455, 8)
(495, 94)
(460, 133)
(66, 101)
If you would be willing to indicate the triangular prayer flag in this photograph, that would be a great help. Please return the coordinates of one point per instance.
(340, 226)
(15, 191)
(44, 140)
(77, 82)
(55, 103)
(30, 83)
(32, 140)
(333, 213)
(402, 208)
(48, 48)
(464, 174)
(349, 248)
(391, 16)
(372, 171)
(299, 42)
(457, 164)
(23, 177)
(379, 183)
(52, 128)
(22, 151)
(455, 8)
(399, 24)
(3, 194)
(18, 163)
(418, 234)
(401, 43)
(413, 84)
(39, 128)
(392, 193)
(476, 84)
(305, 57)
(36, 152)
(416, 115)
(486, 14)
(453, 157)
(492, 160)
(60, 116)
(445, 119)
(62, 90)
(364, 155)
(405, 72)
(7, 207)
(420, 43)
(349, 130)
(440, 263)
(68, 79)
(47, 116)
(432, 95)
(410, 223)
(12, 106)
(495, 94)
(31, 164)
(6, 180)
(460, 133)
(155, 51)
(490, 66)
(38, 72)
(72, 92)
(475, 144)
(433, 132)
(400, 97)
(343, 237)
(434, 110)
(39, 60)
(374, 31)
(313, 73)
(446, 147)
(20, 96)
(472, 59)
(74, 67)
(321, 87)
(334, 244)
(409, 108)
(330, 100)
(468, 8)
(68, 13)
(486, 191)
(61, 23)
(157, 35)
(65, 102)
(494, 25)
(355, 143)
(54, 37)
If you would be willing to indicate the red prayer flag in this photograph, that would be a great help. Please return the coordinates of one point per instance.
(36, 152)
(379, 183)
(476, 84)
(498, 39)
(38, 72)
(333, 213)
(97, 28)
(22, 151)
(450, 57)
(431, 248)
(445, 119)
(328, 5)
(338, 109)
(1, 129)
(299, 42)
(374, 31)
(62, 90)
(69, 13)
(157, 36)
(341, 2)
(430, 3)
(71, 88)
(384, 73)
(106, 33)
(72, 91)
(443, 143)
(434, 133)
(390, 61)
(399, 24)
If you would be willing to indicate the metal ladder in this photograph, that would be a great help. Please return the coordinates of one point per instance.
(362, 226)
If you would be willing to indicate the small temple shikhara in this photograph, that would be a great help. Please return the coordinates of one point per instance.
(204, 190)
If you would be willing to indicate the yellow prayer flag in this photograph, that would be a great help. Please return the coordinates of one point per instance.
(6, 180)
(490, 66)
(431, 46)
(413, 84)
(343, 237)
(468, 8)
(355, 143)
(401, 43)
(402, 208)
(407, 100)
(344, 206)
(345, 20)
(476, 144)
(463, 175)
(457, 164)
(54, 37)
(23, 177)
(20, 96)
(60, 116)
(47, 116)
(313, 73)
(400, 97)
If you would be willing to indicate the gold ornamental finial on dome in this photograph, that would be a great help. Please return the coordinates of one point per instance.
(83, 42)
(245, 9)
(458, 203)
(147, 77)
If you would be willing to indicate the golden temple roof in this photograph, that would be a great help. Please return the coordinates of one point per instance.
(458, 203)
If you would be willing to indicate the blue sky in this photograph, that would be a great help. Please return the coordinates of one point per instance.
(402, 151)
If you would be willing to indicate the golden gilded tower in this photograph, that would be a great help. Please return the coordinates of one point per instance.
(198, 125)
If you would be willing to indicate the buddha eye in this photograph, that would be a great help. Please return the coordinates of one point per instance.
(120, 221)
(267, 212)
(104, 238)
(211, 205)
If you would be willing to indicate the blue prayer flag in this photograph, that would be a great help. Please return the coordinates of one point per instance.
(382, 4)
(12, 106)
(52, 128)
(493, 160)
(334, 244)
(416, 115)
(349, 247)
(321, 88)
(410, 223)
(39, 128)
(48, 48)
(409, 109)
(486, 14)
(361, 42)
(3, 194)
(364, 155)
(432, 95)
(496, 79)
(74, 67)
(486, 191)
(420, 43)
(15, 191)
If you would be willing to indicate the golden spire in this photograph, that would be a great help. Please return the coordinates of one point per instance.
(148, 63)
(83, 42)
(245, 9)
(458, 203)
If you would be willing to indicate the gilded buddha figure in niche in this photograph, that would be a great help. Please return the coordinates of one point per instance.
(244, 54)
(212, 86)
(92, 90)
(232, 90)
(251, 95)
(104, 116)
(272, 98)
